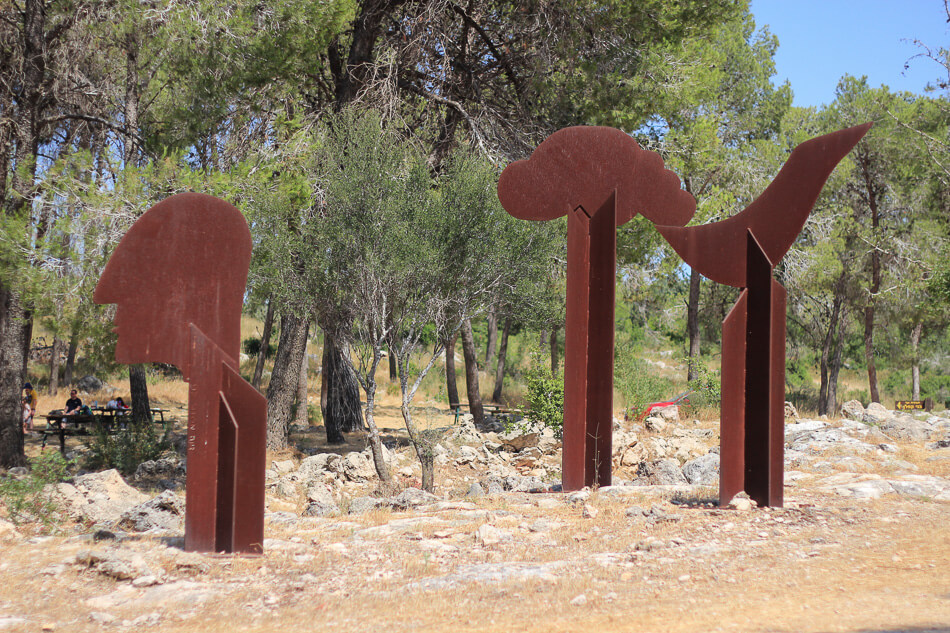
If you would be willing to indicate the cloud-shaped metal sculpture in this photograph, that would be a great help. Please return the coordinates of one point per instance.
(600, 178)
(582, 167)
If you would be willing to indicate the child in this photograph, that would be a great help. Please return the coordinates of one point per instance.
(29, 407)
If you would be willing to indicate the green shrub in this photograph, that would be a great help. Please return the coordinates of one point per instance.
(252, 347)
(544, 397)
(706, 387)
(797, 373)
(24, 498)
(125, 449)
(634, 380)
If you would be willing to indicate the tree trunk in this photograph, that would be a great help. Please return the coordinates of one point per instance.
(138, 385)
(12, 377)
(302, 418)
(835, 370)
(471, 374)
(340, 393)
(393, 373)
(54, 366)
(502, 359)
(330, 423)
(554, 350)
(875, 286)
(71, 358)
(265, 345)
(375, 443)
(915, 359)
(492, 341)
(869, 350)
(692, 324)
(451, 384)
(423, 445)
(284, 379)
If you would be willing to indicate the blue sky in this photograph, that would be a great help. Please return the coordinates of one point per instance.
(819, 41)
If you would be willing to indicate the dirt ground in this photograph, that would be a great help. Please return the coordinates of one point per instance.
(515, 562)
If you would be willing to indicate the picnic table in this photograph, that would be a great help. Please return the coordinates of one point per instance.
(491, 409)
(61, 424)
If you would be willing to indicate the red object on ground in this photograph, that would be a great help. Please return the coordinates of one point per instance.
(600, 178)
(178, 279)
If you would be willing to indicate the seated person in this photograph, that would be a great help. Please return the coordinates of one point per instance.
(73, 405)
(116, 404)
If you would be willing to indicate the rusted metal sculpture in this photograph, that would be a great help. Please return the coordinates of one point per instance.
(600, 178)
(178, 279)
(742, 251)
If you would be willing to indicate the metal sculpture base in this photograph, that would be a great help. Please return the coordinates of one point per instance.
(588, 360)
(753, 387)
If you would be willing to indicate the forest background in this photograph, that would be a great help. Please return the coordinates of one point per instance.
(362, 139)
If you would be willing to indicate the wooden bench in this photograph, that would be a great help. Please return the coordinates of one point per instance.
(491, 409)
(61, 425)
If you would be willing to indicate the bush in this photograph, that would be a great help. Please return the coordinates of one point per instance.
(707, 386)
(24, 498)
(636, 383)
(125, 449)
(544, 397)
(252, 347)
(797, 373)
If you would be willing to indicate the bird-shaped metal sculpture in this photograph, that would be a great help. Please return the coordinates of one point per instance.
(742, 251)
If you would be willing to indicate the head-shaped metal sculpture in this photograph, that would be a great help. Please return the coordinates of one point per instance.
(183, 262)
(600, 178)
(178, 277)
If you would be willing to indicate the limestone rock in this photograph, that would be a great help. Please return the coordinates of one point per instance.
(853, 410)
(669, 414)
(875, 414)
(466, 431)
(489, 535)
(7, 530)
(411, 498)
(475, 490)
(790, 410)
(118, 564)
(97, 497)
(702, 470)
(89, 383)
(742, 503)
(164, 513)
(320, 501)
(357, 468)
(905, 427)
(661, 472)
(655, 424)
(548, 441)
(361, 505)
(317, 466)
(516, 440)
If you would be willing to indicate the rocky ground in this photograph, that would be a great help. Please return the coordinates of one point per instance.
(862, 544)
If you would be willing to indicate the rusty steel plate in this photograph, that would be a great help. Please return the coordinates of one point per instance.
(178, 279)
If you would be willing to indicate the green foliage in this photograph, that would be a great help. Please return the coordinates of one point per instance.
(706, 387)
(935, 385)
(252, 347)
(544, 397)
(314, 414)
(125, 449)
(25, 499)
(798, 373)
(638, 386)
